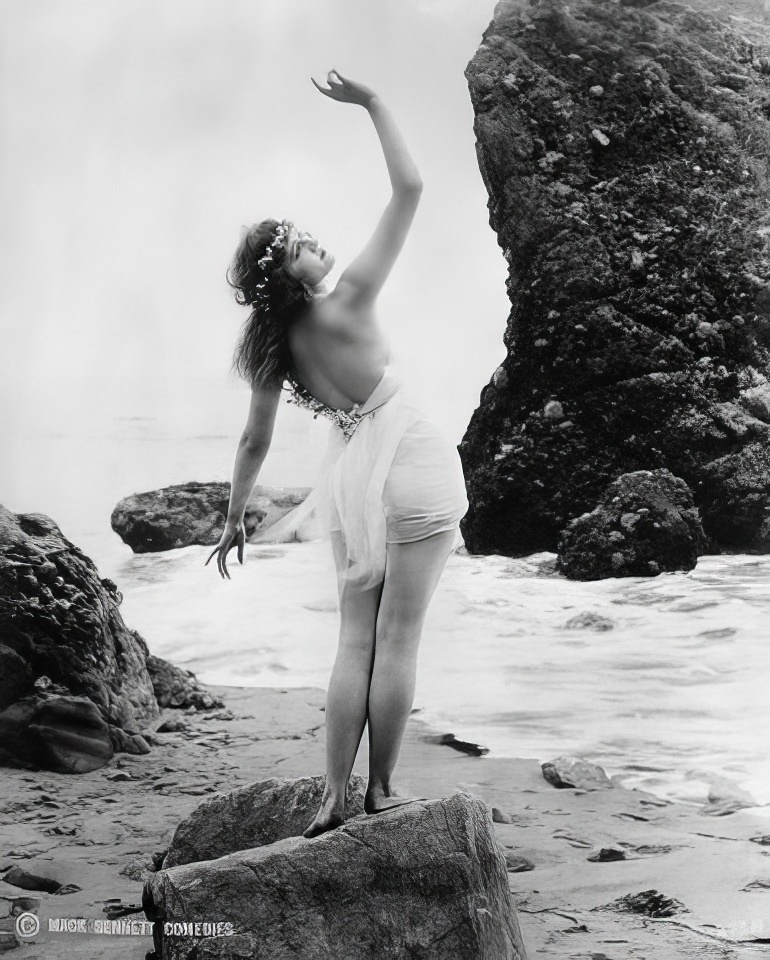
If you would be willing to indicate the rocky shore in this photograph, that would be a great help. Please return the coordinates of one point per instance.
(593, 870)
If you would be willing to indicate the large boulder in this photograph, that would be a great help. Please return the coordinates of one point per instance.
(645, 523)
(253, 816)
(423, 880)
(76, 684)
(625, 150)
(63, 623)
(194, 513)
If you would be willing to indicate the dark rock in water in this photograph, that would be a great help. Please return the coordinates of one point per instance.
(426, 879)
(645, 523)
(175, 687)
(618, 146)
(194, 513)
(254, 816)
(566, 772)
(66, 734)
(60, 620)
(589, 621)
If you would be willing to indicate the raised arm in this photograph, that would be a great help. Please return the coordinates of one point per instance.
(252, 450)
(363, 279)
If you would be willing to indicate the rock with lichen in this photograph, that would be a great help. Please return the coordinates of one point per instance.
(625, 150)
(645, 523)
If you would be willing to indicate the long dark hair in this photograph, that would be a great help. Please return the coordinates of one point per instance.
(262, 355)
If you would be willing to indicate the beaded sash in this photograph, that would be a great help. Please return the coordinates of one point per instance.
(346, 420)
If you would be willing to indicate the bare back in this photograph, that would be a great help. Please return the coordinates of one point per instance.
(338, 350)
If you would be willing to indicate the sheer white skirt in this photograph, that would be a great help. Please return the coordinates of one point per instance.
(396, 480)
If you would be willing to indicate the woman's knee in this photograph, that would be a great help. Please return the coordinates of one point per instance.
(397, 632)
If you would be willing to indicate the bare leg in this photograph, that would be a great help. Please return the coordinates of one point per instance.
(412, 573)
(347, 694)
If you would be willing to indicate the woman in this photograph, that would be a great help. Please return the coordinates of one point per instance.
(391, 491)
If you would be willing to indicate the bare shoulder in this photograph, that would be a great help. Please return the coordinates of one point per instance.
(340, 314)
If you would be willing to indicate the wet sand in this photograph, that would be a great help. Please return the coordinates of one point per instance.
(98, 834)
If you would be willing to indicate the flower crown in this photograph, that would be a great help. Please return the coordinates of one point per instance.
(277, 242)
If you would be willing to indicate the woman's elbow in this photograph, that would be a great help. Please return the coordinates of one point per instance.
(254, 445)
(411, 188)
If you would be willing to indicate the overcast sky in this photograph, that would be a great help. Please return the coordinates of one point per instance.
(138, 135)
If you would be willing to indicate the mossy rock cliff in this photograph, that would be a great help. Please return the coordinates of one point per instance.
(626, 153)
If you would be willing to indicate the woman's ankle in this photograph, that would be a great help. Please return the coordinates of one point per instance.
(378, 784)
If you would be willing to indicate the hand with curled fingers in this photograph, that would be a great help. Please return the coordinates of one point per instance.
(232, 536)
(345, 90)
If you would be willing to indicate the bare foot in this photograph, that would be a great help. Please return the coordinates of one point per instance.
(330, 815)
(377, 800)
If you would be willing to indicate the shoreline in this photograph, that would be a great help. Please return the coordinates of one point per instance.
(98, 831)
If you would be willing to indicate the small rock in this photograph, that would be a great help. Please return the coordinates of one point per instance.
(757, 885)
(553, 410)
(128, 742)
(596, 90)
(32, 879)
(650, 903)
(175, 687)
(723, 808)
(565, 772)
(589, 621)
(517, 864)
(174, 725)
(600, 137)
(608, 854)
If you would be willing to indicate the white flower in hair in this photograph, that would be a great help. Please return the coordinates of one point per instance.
(279, 237)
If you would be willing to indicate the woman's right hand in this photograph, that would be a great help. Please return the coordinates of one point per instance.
(232, 536)
(346, 90)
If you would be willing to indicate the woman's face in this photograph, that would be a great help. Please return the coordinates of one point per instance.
(305, 259)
